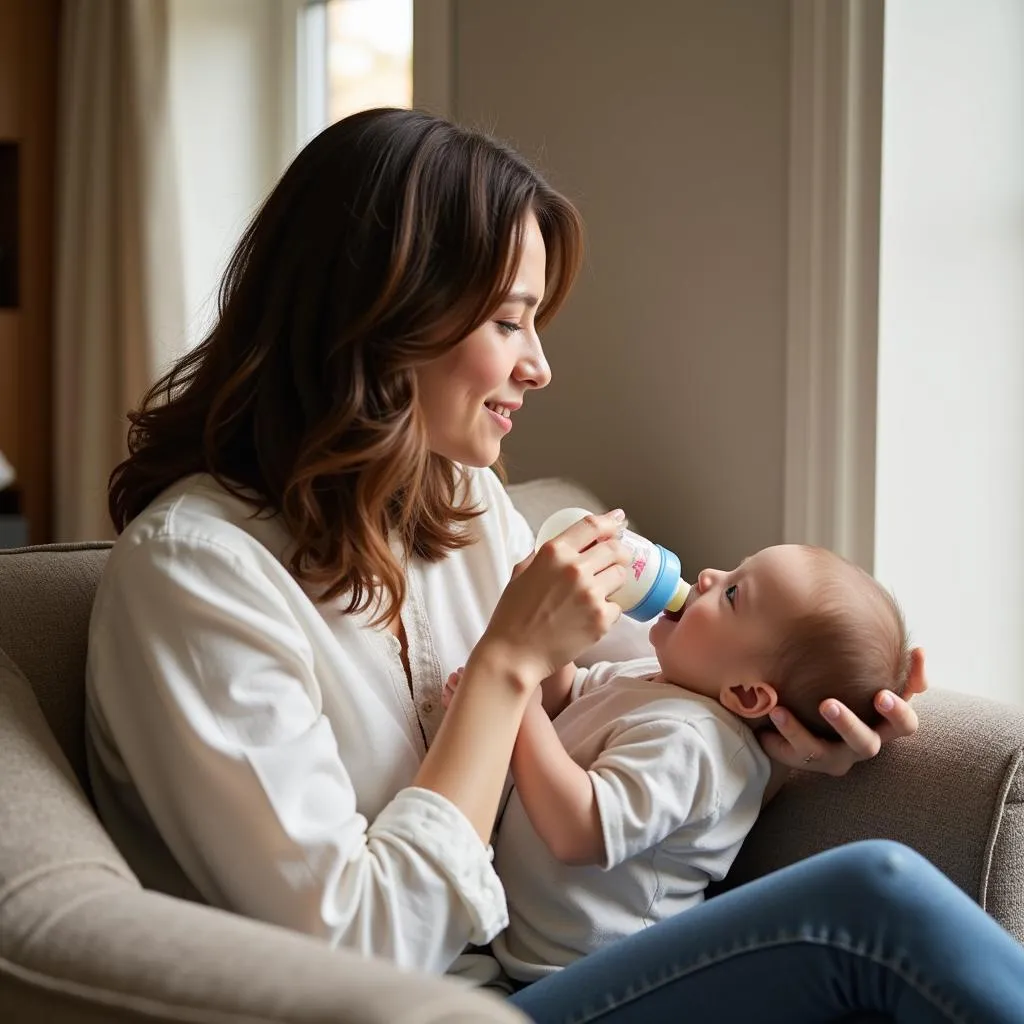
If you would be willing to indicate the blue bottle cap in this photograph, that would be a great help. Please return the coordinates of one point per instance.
(662, 589)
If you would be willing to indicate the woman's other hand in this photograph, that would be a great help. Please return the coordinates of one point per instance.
(795, 747)
(556, 604)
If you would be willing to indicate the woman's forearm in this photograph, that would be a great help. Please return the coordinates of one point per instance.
(556, 792)
(469, 759)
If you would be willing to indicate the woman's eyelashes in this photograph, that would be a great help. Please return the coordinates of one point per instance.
(508, 326)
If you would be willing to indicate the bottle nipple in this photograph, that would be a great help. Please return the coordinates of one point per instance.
(678, 599)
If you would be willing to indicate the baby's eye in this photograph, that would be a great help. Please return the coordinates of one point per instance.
(730, 594)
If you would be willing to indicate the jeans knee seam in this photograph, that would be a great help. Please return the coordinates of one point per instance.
(636, 993)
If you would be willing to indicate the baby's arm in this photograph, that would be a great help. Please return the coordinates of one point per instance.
(557, 794)
(557, 689)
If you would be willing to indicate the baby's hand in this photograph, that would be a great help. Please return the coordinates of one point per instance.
(448, 690)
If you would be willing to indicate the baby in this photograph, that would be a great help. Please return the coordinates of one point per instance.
(644, 788)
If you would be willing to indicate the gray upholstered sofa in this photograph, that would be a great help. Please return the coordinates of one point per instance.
(81, 941)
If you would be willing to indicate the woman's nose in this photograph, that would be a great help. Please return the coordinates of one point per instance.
(532, 369)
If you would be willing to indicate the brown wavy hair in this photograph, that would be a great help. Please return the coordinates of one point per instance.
(391, 237)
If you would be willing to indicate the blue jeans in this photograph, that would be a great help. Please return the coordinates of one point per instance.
(867, 928)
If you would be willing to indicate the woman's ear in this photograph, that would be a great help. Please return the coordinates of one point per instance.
(753, 700)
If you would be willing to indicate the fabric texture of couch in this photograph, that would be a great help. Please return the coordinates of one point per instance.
(81, 941)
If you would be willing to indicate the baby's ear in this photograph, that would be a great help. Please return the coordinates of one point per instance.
(749, 700)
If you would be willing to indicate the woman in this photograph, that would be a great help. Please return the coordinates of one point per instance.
(311, 541)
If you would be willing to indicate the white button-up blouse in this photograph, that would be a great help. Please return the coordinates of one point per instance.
(270, 741)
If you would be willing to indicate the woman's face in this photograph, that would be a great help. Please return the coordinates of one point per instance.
(470, 395)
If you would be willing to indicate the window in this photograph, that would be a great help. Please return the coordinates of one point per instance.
(353, 54)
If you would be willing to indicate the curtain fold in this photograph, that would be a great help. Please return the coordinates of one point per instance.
(120, 311)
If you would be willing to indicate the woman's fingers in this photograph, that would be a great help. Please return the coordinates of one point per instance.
(900, 718)
(606, 554)
(857, 735)
(834, 760)
(555, 605)
(917, 680)
(591, 529)
(611, 579)
(792, 744)
(796, 747)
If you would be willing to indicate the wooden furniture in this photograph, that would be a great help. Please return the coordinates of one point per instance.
(28, 128)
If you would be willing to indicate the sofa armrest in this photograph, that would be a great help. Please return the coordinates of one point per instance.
(113, 953)
(954, 792)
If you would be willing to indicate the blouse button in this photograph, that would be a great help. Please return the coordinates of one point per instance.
(427, 707)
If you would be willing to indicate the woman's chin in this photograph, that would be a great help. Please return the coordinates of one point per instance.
(479, 456)
(481, 460)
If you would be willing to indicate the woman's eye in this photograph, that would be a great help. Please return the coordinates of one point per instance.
(508, 326)
(730, 594)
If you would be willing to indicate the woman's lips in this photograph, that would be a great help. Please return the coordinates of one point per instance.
(504, 422)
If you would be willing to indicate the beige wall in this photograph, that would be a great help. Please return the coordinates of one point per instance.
(667, 123)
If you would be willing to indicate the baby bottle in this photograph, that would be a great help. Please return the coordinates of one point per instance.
(654, 584)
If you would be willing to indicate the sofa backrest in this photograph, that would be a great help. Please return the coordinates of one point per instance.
(46, 596)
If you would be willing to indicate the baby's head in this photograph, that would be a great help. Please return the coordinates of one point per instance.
(792, 625)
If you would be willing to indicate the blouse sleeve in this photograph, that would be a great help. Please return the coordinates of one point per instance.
(203, 676)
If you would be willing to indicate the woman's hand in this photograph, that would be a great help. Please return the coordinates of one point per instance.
(556, 604)
(795, 747)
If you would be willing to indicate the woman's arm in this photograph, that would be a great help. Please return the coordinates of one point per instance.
(468, 761)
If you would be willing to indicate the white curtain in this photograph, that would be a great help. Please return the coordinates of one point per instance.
(120, 307)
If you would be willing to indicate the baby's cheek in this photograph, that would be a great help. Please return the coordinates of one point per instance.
(697, 625)
(695, 639)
